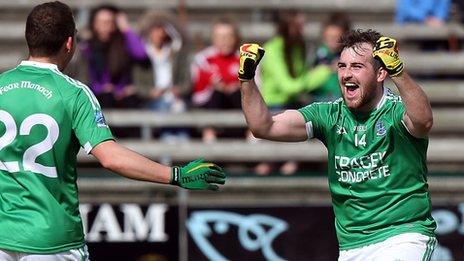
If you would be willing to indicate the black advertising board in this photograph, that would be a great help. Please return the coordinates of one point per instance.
(273, 233)
(294, 233)
(450, 232)
(141, 232)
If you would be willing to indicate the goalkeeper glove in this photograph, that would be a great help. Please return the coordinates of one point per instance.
(250, 55)
(386, 51)
(198, 175)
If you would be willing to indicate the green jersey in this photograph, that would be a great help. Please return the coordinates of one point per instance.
(376, 168)
(45, 117)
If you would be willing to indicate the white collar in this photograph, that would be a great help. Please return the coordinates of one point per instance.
(40, 64)
(382, 101)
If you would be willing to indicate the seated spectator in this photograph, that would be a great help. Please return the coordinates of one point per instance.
(328, 53)
(214, 73)
(284, 73)
(110, 53)
(164, 45)
(428, 12)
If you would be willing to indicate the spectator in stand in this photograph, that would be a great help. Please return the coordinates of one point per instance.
(430, 12)
(214, 78)
(328, 53)
(110, 53)
(285, 75)
(164, 44)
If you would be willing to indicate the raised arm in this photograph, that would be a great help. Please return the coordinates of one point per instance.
(134, 43)
(418, 116)
(286, 126)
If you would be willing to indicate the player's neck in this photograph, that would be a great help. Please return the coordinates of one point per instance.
(57, 60)
(43, 60)
(372, 105)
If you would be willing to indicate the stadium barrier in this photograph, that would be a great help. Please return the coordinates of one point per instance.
(445, 146)
(446, 120)
(448, 150)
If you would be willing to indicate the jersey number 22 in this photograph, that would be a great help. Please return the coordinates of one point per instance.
(34, 151)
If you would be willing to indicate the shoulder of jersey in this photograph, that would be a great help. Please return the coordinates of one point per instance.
(8, 71)
(79, 86)
(393, 97)
(69, 80)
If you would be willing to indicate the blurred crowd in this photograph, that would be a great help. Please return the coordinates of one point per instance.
(151, 63)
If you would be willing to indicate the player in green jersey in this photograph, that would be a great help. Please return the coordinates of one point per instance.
(377, 144)
(45, 117)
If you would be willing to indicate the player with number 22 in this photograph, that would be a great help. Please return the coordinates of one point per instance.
(45, 117)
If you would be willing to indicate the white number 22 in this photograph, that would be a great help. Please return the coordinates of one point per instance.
(33, 152)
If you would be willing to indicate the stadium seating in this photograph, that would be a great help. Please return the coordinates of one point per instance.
(254, 22)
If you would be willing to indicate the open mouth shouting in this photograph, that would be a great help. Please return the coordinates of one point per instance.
(351, 90)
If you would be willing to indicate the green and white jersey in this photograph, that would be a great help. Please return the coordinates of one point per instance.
(376, 170)
(45, 117)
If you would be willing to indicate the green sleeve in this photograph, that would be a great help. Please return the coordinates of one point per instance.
(89, 123)
(315, 116)
(398, 115)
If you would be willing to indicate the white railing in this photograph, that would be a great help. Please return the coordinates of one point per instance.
(449, 148)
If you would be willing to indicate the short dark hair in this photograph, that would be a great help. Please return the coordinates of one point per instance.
(354, 39)
(48, 26)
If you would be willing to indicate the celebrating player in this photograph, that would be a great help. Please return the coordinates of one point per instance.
(45, 116)
(377, 144)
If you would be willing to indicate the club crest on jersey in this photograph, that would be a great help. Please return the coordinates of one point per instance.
(100, 119)
(380, 128)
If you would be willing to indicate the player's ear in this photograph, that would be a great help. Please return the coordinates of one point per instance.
(69, 44)
(381, 74)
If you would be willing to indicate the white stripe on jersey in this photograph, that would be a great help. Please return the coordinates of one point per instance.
(87, 147)
(309, 129)
(384, 97)
(406, 127)
(78, 84)
(392, 96)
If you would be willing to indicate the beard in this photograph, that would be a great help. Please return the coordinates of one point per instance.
(364, 101)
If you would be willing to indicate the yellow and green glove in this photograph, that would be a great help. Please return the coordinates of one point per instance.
(250, 55)
(386, 52)
(198, 175)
